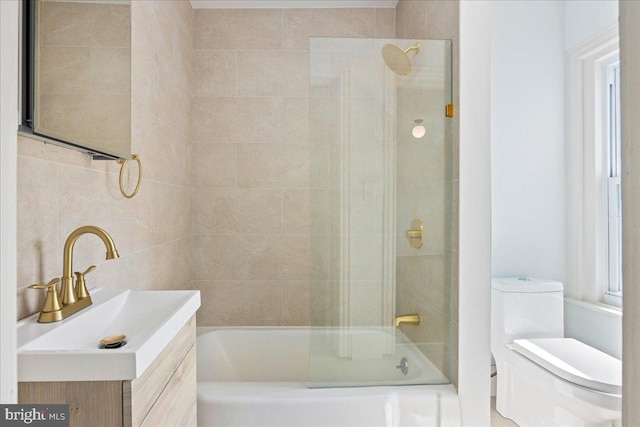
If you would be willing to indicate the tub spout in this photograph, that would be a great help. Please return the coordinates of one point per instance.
(406, 319)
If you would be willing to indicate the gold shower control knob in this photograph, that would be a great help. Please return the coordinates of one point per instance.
(415, 235)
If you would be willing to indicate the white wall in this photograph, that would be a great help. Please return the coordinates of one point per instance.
(527, 142)
(584, 19)
(474, 386)
(527, 153)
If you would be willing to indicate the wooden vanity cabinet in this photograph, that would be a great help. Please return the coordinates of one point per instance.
(165, 395)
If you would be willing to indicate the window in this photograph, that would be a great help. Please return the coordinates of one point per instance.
(613, 293)
(593, 255)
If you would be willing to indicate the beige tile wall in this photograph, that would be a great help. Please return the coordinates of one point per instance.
(435, 19)
(251, 171)
(60, 190)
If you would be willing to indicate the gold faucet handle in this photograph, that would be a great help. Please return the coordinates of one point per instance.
(87, 271)
(81, 285)
(51, 284)
(51, 303)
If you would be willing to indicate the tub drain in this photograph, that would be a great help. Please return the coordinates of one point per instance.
(403, 366)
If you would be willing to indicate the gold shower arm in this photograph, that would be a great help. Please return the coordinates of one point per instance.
(415, 47)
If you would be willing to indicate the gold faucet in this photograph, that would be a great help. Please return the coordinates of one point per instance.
(72, 299)
(406, 319)
(67, 294)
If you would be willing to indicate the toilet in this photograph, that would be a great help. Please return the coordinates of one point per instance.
(543, 378)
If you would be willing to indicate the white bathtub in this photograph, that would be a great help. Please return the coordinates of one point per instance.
(261, 377)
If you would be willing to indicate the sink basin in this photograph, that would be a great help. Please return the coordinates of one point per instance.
(69, 350)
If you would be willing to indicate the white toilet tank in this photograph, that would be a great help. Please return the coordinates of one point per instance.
(525, 308)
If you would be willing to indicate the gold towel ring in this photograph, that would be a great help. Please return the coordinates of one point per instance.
(123, 163)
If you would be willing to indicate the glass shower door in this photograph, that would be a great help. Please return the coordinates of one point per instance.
(370, 179)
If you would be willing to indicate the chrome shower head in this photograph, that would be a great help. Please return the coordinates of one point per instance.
(397, 59)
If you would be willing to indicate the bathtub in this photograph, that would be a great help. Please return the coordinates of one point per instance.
(267, 377)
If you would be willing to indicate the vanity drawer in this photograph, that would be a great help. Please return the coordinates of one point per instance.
(140, 395)
(177, 405)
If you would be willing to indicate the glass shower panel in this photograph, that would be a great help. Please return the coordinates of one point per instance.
(370, 178)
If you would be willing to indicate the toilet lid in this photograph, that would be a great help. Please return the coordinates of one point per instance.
(574, 361)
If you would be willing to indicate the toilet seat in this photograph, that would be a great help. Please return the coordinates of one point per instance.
(574, 361)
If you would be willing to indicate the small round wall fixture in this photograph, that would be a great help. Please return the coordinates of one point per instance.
(418, 130)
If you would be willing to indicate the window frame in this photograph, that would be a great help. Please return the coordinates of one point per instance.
(614, 289)
(587, 163)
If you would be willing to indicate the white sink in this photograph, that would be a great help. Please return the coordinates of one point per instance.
(69, 350)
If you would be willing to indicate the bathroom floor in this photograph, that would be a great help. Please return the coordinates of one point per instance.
(497, 420)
